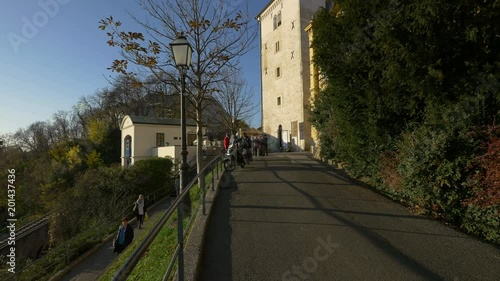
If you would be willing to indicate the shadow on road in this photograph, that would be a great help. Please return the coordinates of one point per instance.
(217, 255)
(375, 239)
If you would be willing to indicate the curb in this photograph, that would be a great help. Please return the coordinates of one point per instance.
(194, 245)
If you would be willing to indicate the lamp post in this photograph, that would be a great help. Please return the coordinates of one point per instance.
(182, 52)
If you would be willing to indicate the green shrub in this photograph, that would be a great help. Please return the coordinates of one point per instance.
(483, 221)
(433, 160)
(151, 174)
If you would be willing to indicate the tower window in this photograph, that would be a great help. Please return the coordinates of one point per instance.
(277, 20)
(278, 72)
(278, 101)
(278, 46)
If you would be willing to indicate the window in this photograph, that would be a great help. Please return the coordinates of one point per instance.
(277, 20)
(278, 46)
(278, 72)
(279, 101)
(160, 139)
(191, 138)
(128, 146)
(265, 46)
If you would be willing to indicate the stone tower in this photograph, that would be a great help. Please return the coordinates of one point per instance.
(285, 72)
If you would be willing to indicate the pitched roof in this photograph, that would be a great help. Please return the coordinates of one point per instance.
(160, 121)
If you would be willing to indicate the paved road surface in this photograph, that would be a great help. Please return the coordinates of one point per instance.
(288, 217)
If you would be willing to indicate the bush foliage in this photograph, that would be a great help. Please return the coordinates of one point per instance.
(410, 102)
(92, 209)
(151, 174)
(105, 194)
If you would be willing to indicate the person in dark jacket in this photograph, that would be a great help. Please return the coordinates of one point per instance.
(124, 237)
(255, 146)
(246, 144)
(263, 142)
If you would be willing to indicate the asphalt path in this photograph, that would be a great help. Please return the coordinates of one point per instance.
(290, 217)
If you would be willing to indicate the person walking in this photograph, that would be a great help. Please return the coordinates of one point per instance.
(263, 142)
(124, 237)
(140, 210)
(246, 144)
(255, 146)
(226, 142)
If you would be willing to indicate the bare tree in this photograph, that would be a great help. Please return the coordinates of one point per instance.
(218, 32)
(162, 97)
(65, 126)
(88, 108)
(236, 103)
(35, 137)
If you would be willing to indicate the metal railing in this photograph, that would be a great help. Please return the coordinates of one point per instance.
(212, 167)
(26, 230)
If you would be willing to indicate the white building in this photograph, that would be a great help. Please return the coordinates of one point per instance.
(285, 72)
(146, 137)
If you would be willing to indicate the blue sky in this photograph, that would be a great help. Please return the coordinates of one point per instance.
(50, 57)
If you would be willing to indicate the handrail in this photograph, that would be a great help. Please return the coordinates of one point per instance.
(134, 258)
(27, 229)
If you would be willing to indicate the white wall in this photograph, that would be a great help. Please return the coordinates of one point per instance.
(144, 140)
(293, 87)
(175, 153)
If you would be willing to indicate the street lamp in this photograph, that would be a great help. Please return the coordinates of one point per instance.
(182, 52)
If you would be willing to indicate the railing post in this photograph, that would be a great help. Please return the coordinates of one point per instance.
(202, 179)
(67, 253)
(180, 240)
(203, 194)
(218, 167)
(203, 188)
(213, 179)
